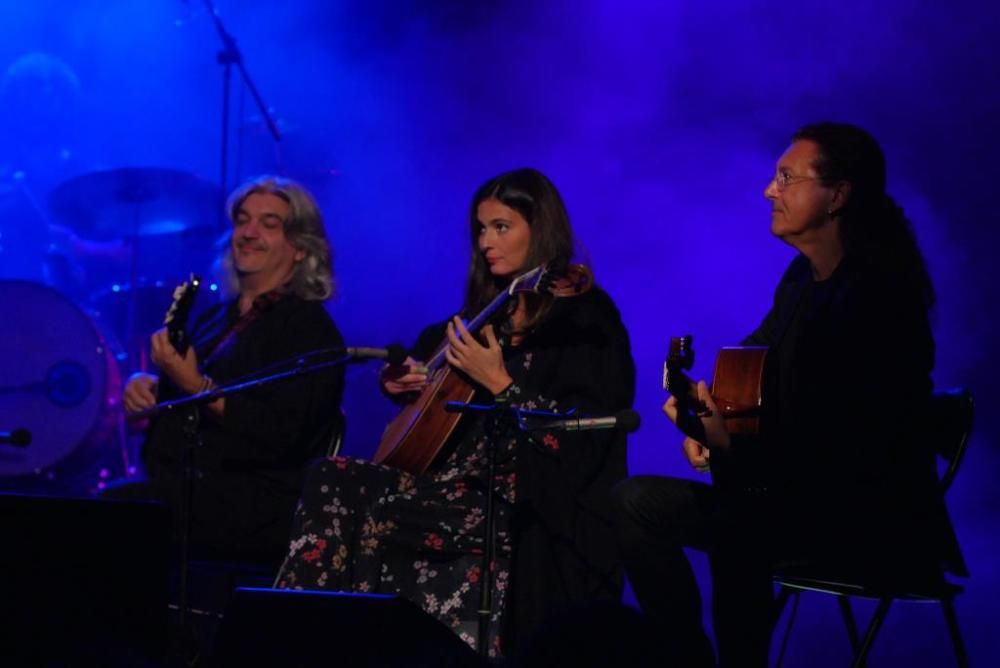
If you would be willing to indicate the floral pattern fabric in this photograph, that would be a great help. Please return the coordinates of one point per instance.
(364, 527)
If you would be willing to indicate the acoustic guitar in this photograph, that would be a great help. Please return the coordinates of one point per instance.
(414, 437)
(737, 386)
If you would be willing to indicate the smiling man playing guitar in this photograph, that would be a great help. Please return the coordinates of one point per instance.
(256, 444)
(835, 475)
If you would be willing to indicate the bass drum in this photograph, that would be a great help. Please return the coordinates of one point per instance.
(60, 380)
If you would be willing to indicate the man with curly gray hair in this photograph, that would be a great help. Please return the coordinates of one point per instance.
(255, 444)
(302, 227)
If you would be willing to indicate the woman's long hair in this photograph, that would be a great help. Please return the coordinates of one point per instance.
(873, 228)
(312, 279)
(531, 194)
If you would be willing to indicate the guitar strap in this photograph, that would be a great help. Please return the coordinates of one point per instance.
(261, 305)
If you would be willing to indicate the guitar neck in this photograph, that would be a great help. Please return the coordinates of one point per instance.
(177, 316)
(473, 326)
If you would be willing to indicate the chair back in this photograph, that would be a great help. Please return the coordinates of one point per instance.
(948, 427)
(337, 432)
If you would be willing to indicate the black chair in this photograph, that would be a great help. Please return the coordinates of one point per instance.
(213, 580)
(948, 429)
(335, 439)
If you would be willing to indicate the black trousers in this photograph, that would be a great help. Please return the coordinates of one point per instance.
(226, 522)
(657, 517)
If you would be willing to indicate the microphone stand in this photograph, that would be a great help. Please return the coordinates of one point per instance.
(191, 407)
(228, 56)
(493, 411)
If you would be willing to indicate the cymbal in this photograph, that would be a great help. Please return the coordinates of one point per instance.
(135, 202)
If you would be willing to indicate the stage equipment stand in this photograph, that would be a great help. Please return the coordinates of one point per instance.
(228, 56)
(494, 413)
(191, 408)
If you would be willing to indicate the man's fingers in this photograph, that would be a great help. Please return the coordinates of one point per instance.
(670, 409)
(706, 397)
(399, 388)
(134, 403)
(146, 394)
(696, 454)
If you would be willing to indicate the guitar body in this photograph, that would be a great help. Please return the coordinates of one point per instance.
(737, 390)
(414, 437)
(737, 387)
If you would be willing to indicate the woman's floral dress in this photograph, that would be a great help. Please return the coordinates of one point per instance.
(364, 527)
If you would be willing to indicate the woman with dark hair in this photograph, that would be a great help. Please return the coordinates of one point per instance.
(372, 528)
(837, 476)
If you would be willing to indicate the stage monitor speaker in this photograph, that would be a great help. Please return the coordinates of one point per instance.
(81, 578)
(280, 627)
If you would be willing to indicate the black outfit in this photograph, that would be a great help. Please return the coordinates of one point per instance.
(250, 466)
(365, 527)
(838, 476)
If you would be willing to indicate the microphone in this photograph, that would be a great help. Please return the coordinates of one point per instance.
(19, 438)
(627, 420)
(392, 353)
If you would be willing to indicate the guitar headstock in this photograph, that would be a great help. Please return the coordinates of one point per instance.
(177, 315)
(680, 358)
(532, 281)
(557, 277)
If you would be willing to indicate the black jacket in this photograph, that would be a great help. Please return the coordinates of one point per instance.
(250, 464)
(847, 382)
(564, 549)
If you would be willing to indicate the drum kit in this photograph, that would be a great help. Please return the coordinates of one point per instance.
(115, 243)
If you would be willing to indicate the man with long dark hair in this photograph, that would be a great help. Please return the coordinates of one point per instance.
(837, 476)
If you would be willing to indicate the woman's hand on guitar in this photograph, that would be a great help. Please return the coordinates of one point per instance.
(140, 392)
(182, 370)
(708, 429)
(410, 376)
(484, 364)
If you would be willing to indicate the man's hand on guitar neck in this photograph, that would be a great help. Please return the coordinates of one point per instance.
(709, 432)
(181, 369)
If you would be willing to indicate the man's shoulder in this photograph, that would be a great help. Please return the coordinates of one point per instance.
(797, 271)
(204, 314)
(296, 313)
